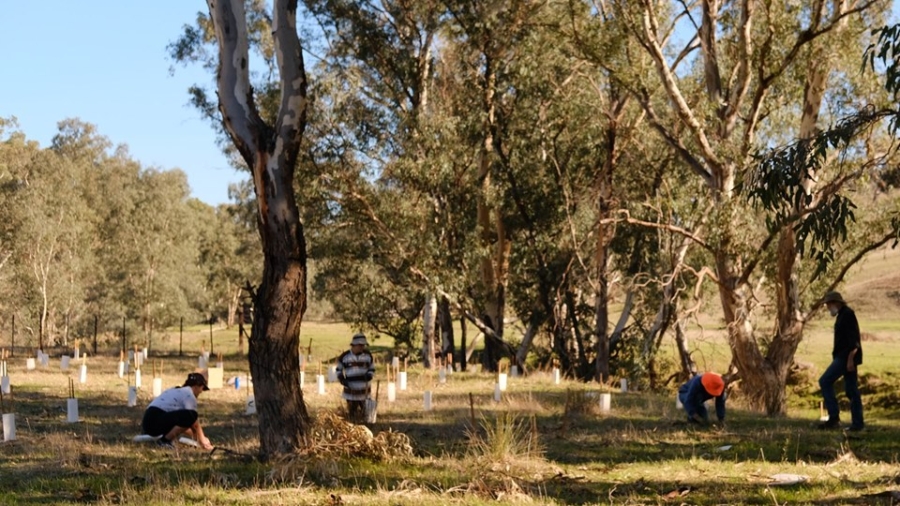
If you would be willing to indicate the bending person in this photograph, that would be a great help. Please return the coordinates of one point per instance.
(174, 413)
(697, 391)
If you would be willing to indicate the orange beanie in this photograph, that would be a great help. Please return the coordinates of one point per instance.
(713, 383)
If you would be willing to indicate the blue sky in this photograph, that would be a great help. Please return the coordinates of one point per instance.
(105, 62)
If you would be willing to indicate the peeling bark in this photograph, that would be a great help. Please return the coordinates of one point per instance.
(270, 151)
(429, 318)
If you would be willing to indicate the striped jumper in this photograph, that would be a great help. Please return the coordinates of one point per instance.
(355, 372)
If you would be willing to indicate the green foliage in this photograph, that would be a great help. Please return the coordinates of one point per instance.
(780, 186)
(87, 231)
(886, 50)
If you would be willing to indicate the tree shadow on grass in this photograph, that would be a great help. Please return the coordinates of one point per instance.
(56, 461)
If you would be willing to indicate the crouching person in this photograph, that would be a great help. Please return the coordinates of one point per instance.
(697, 391)
(174, 413)
(355, 370)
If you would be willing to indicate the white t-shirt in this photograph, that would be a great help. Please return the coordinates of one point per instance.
(174, 399)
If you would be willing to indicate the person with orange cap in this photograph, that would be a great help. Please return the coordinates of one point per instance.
(697, 391)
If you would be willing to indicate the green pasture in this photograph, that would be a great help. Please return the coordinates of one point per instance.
(542, 443)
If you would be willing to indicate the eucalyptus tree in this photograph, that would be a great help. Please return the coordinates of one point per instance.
(757, 68)
(144, 242)
(227, 257)
(16, 156)
(374, 90)
(269, 147)
(51, 233)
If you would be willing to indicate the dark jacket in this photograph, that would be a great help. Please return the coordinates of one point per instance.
(693, 395)
(846, 336)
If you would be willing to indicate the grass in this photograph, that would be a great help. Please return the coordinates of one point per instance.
(542, 443)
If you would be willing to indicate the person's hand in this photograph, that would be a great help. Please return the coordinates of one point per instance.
(850, 365)
(204, 442)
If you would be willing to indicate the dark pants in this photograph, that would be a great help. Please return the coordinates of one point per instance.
(158, 422)
(699, 409)
(356, 411)
(834, 372)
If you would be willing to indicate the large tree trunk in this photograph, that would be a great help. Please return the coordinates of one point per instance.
(561, 343)
(583, 366)
(758, 379)
(270, 152)
(445, 321)
(429, 318)
(738, 101)
(534, 324)
(234, 302)
(464, 358)
(790, 318)
(492, 231)
(688, 367)
(604, 232)
(601, 306)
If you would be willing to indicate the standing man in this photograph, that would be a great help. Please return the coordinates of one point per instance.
(846, 356)
(697, 391)
(355, 369)
(174, 413)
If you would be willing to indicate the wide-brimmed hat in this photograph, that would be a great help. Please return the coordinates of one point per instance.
(196, 379)
(359, 339)
(713, 383)
(833, 297)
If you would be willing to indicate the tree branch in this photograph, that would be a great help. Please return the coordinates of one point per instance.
(710, 11)
(817, 305)
(239, 115)
(661, 226)
(291, 120)
(738, 93)
(682, 109)
(674, 141)
(821, 199)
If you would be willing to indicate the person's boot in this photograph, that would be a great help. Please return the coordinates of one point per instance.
(831, 423)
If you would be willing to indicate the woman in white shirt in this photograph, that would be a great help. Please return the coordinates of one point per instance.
(174, 413)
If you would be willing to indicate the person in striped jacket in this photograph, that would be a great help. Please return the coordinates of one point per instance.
(355, 370)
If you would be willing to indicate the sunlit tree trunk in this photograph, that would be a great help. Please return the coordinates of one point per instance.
(270, 152)
(790, 318)
(495, 262)
(429, 318)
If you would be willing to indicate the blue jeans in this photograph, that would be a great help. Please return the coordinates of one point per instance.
(701, 409)
(834, 372)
